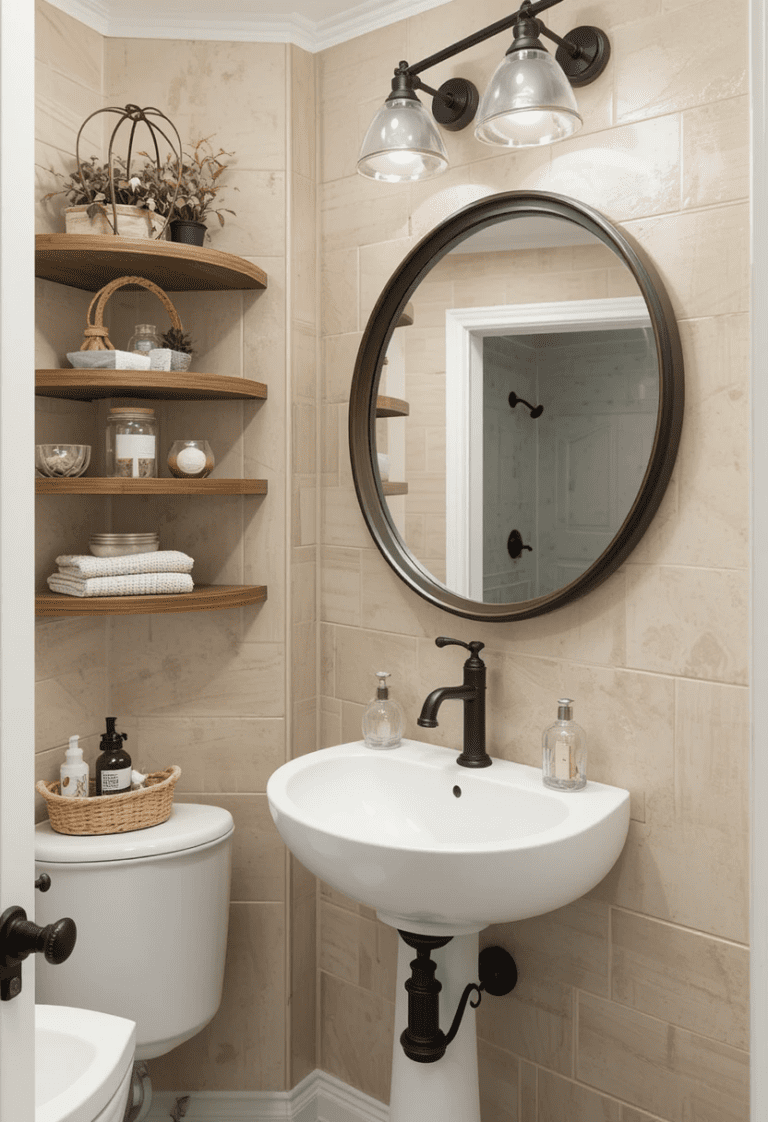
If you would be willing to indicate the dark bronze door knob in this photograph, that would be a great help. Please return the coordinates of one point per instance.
(20, 937)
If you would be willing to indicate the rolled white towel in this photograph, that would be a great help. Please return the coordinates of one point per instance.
(161, 561)
(134, 584)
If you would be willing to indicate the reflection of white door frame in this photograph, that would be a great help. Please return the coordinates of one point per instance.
(465, 329)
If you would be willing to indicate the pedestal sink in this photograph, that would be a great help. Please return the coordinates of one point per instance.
(442, 850)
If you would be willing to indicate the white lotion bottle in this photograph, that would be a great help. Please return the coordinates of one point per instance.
(564, 750)
(74, 773)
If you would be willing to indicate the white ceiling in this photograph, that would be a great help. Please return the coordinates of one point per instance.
(311, 24)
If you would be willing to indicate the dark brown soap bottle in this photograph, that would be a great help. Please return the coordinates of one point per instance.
(113, 766)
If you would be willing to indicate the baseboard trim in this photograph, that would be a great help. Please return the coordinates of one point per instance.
(318, 1098)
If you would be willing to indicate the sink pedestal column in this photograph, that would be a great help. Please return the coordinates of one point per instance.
(447, 1090)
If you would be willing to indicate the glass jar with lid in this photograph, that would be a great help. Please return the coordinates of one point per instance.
(132, 443)
(144, 339)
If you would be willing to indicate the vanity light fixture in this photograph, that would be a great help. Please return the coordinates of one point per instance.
(529, 100)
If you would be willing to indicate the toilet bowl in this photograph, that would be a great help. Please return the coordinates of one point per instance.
(151, 908)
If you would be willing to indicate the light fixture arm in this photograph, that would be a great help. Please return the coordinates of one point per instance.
(571, 48)
(526, 11)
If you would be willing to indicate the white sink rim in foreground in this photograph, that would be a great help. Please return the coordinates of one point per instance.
(82, 1060)
(385, 828)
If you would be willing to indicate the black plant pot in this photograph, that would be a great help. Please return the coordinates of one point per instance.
(191, 233)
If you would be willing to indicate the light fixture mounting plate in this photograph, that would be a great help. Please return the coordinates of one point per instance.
(464, 99)
(595, 49)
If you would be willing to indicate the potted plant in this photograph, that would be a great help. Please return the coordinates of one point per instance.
(201, 169)
(181, 348)
(90, 192)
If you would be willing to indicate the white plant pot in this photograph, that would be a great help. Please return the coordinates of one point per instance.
(132, 221)
(162, 358)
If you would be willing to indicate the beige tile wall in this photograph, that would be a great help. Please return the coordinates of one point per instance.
(211, 688)
(228, 695)
(72, 682)
(632, 1003)
(301, 991)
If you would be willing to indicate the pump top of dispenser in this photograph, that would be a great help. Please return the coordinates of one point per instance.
(382, 690)
(564, 709)
(74, 754)
(110, 738)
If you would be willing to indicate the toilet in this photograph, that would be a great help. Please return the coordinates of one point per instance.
(151, 908)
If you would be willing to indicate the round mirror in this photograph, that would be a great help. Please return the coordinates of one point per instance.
(516, 407)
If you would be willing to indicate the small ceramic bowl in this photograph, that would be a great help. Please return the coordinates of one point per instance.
(60, 461)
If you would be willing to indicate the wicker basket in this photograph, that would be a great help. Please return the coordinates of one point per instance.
(112, 814)
(96, 334)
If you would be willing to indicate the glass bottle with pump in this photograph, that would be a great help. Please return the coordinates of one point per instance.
(383, 720)
(113, 766)
(564, 747)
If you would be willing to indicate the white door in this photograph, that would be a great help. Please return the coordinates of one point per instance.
(17, 532)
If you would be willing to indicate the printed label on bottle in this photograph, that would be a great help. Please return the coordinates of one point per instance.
(133, 454)
(119, 780)
(563, 760)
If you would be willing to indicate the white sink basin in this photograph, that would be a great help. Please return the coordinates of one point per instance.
(83, 1064)
(389, 829)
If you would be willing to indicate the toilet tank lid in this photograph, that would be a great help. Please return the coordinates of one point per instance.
(189, 826)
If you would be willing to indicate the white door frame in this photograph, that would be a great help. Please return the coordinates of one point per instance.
(465, 329)
(17, 539)
(759, 560)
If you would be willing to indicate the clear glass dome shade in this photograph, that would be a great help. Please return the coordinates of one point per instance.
(529, 101)
(402, 144)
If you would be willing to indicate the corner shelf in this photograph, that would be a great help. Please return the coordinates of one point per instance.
(95, 485)
(395, 488)
(201, 599)
(92, 385)
(391, 407)
(89, 261)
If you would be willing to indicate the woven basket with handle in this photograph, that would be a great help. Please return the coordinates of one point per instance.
(96, 335)
(112, 814)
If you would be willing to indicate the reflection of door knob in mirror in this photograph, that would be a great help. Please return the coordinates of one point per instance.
(536, 410)
(20, 937)
(515, 545)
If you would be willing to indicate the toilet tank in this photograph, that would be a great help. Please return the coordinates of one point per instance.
(151, 908)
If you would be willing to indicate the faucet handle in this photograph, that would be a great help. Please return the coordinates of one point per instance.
(474, 647)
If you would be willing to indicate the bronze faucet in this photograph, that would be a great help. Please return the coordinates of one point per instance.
(472, 693)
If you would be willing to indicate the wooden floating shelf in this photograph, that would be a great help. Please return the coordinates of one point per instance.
(391, 407)
(95, 485)
(204, 598)
(91, 385)
(395, 488)
(89, 261)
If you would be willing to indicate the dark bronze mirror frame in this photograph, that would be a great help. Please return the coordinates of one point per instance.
(368, 367)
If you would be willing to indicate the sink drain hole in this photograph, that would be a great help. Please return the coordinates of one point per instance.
(457, 792)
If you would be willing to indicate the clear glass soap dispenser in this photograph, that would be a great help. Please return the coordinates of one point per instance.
(564, 746)
(383, 720)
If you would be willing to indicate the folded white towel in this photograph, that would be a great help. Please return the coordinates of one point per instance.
(134, 584)
(161, 561)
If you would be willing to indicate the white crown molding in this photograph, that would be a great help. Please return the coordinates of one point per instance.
(318, 1098)
(116, 19)
(93, 13)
